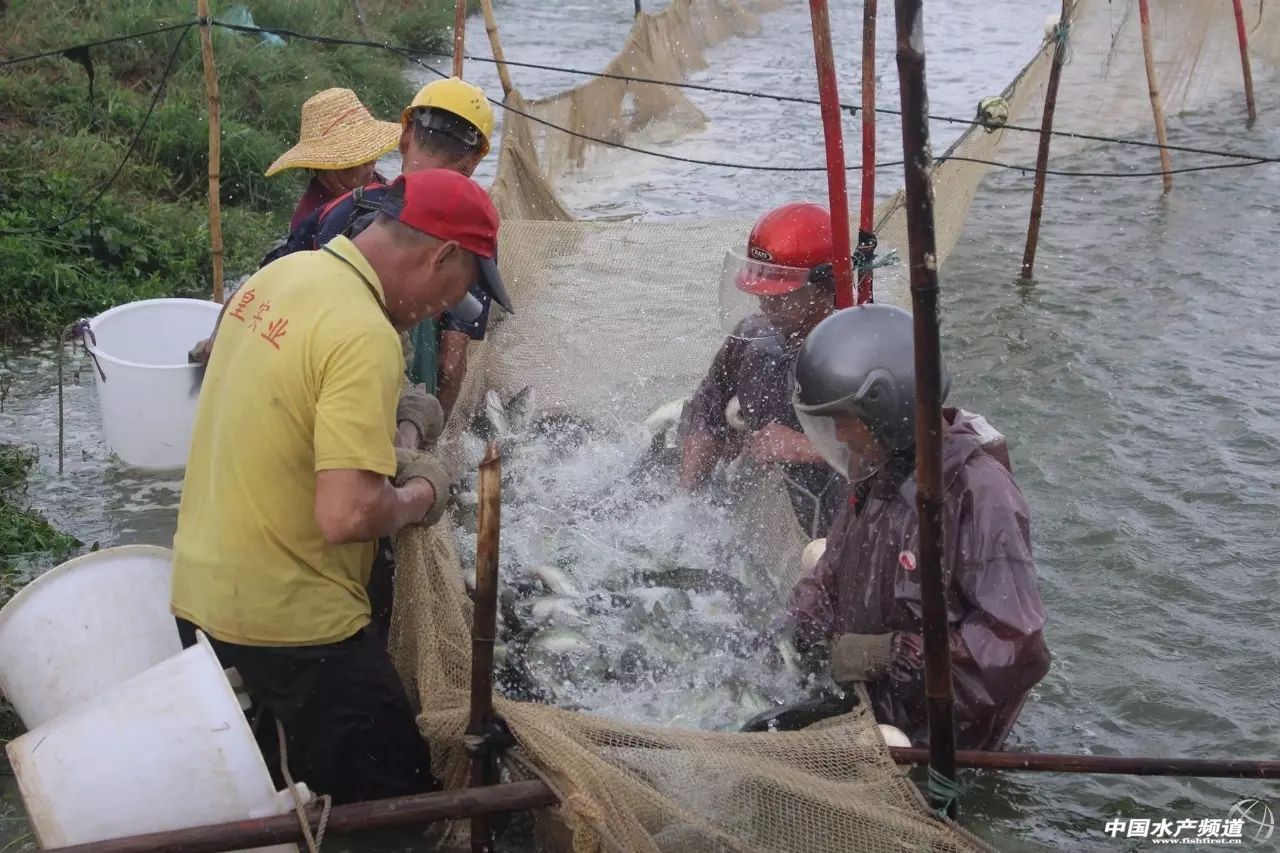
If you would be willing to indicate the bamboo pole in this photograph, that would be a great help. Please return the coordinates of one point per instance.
(918, 161)
(833, 135)
(459, 36)
(1046, 128)
(343, 820)
(867, 217)
(1205, 768)
(215, 144)
(495, 44)
(1153, 89)
(483, 624)
(1242, 36)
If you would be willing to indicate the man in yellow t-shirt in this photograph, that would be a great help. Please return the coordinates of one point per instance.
(287, 488)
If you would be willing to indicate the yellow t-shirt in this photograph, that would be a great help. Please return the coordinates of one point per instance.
(304, 377)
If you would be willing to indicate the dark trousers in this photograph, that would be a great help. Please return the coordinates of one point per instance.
(381, 588)
(348, 724)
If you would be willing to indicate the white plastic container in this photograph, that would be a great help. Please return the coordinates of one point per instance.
(168, 749)
(85, 627)
(148, 400)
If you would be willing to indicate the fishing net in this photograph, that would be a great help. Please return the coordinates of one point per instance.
(585, 288)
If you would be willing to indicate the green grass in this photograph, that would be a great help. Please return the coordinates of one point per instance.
(23, 531)
(149, 235)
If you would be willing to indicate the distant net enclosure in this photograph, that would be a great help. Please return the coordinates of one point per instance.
(603, 325)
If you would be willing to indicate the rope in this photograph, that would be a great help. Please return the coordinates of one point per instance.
(7, 62)
(77, 331)
(853, 109)
(942, 792)
(1250, 160)
(313, 841)
(93, 202)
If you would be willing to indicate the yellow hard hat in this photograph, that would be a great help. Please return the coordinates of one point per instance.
(463, 99)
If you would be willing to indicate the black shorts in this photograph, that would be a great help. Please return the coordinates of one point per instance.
(350, 730)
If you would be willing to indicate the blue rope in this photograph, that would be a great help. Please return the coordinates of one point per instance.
(942, 792)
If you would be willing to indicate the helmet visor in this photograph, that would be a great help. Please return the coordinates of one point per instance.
(759, 299)
(845, 442)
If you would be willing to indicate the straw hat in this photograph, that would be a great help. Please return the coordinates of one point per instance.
(337, 132)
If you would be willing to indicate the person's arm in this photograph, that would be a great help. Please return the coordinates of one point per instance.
(453, 367)
(703, 429)
(698, 455)
(778, 443)
(360, 506)
(358, 406)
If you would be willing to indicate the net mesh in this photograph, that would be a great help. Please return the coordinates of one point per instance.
(579, 285)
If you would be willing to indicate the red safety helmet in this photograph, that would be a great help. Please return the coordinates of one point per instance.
(786, 244)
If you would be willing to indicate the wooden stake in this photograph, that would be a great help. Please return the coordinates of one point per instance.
(215, 145)
(1046, 128)
(495, 44)
(459, 36)
(833, 135)
(1153, 88)
(483, 625)
(918, 159)
(1205, 768)
(343, 820)
(867, 218)
(1242, 36)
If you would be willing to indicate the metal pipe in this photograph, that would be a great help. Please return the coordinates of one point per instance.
(1046, 128)
(833, 134)
(483, 625)
(459, 36)
(1103, 764)
(918, 167)
(343, 820)
(1242, 36)
(1153, 89)
(867, 219)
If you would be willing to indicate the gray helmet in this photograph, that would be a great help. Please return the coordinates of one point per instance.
(861, 362)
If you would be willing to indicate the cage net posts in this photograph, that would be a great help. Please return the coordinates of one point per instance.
(610, 314)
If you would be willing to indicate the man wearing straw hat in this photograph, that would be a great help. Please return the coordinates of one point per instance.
(292, 477)
(447, 126)
(340, 142)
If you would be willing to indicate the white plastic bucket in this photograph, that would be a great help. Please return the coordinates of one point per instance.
(168, 749)
(148, 399)
(84, 627)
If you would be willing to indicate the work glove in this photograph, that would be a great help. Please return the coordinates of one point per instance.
(861, 657)
(199, 354)
(423, 411)
(425, 466)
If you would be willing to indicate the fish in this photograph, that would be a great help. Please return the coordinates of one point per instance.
(556, 609)
(490, 422)
(519, 410)
(664, 419)
(812, 554)
(555, 580)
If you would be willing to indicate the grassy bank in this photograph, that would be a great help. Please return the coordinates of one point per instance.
(63, 133)
(23, 531)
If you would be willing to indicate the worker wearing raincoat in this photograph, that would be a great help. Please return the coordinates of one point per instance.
(771, 296)
(855, 397)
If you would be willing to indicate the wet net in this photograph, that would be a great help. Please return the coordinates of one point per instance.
(579, 285)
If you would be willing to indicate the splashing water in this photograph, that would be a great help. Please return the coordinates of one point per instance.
(622, 596)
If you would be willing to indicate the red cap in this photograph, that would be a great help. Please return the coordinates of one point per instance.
(450, 206)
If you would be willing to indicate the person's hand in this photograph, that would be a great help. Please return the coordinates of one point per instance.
(423, 411)
(424, 466)
(861, 657)
(774, 443)
(199, 354)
